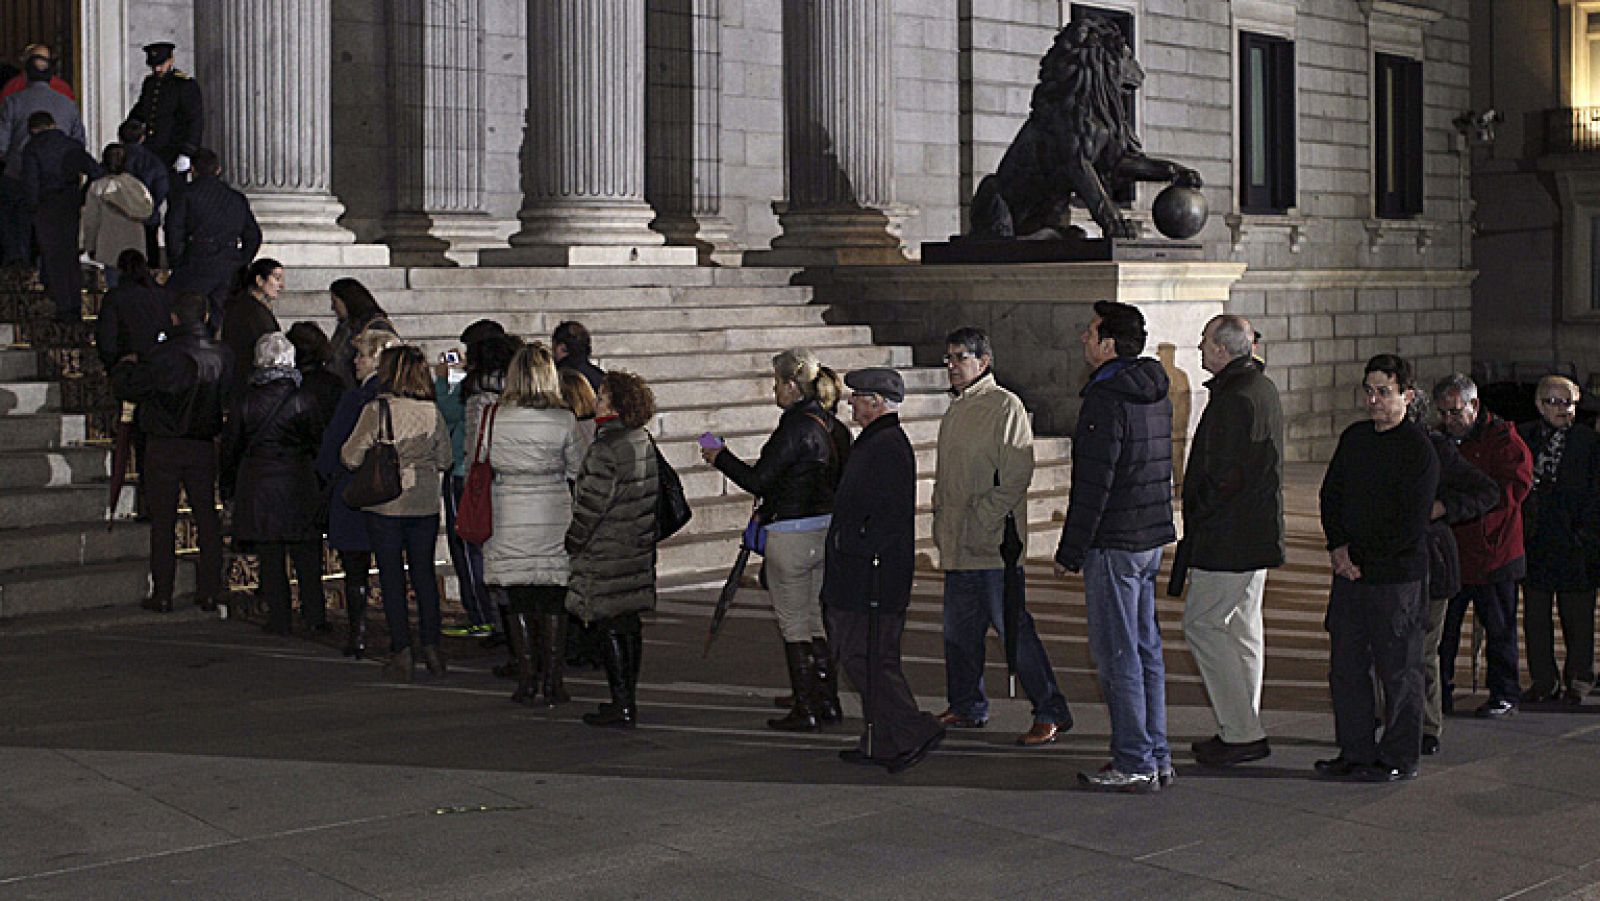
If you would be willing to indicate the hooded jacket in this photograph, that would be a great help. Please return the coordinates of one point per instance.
(1121, 496)
(114, 213)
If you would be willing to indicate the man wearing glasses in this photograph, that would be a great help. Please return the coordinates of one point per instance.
(1492, 559)
(982, 477)
(1563, 522)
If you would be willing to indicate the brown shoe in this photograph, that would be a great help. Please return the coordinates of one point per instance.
(952, 720)
(1040, 734)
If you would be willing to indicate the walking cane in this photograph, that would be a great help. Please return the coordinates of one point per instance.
(872, 654)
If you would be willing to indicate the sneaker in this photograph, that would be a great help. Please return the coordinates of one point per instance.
(1166, 776)
(458, 631)
(1496, 709)
(481, 630)
(1111, 779)
(1337, 767)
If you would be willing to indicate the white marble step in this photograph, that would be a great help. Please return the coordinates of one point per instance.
(120, 583)
(26, 508)
(41, 468)
(27, 398)
(388, 279)
(756, 387)
(73, 544)
(44, 430)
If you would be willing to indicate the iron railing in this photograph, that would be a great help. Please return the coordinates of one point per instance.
(1572, 130)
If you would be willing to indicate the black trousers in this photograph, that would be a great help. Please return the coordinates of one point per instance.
(189, 465)
(357, 566)
(55, 227)
(1495, 605)
(1577, 632)
(538, 600)
(1377, 628)
(152, 245)
(898, 725)
(307, 557)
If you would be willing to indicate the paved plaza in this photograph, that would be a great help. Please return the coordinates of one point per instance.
(190, 757)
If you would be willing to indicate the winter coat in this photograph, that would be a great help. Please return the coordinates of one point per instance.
(1491, 545)
(874, 519)
(423, 445)
(181, 385)
(325, 387)
(347, 527)
(114, 214)
(481, 392)
(448, 398)
(612, 539)
(268, 464)
(985, 435)
(343, 344)
(131, 317)
(535, 455)
(1466, 493)
(14, 113)
(244, 320)
(1233, 488)
(1561, 518)
(1121, 497)
(799, 466)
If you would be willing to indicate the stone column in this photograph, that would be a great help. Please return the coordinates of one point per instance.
(436, 99)
(266, 69)
(583, 157)
(683, 122)
(839, 133)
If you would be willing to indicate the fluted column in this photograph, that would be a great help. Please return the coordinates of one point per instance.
(268, 116)
(436, 96)
(839, 134)
(583, 162)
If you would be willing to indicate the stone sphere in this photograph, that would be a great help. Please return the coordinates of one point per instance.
(1179, 212)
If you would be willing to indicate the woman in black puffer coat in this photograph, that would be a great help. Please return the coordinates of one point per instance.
(268, 473)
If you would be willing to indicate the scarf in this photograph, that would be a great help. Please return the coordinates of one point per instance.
(1549, 459)
(273, 373)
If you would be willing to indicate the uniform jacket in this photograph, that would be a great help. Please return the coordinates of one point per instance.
(1561, 517)
(268, 454)
(874, 518)
(14, 113)
(984, 432)
(423, 445)
(210, 228)
(131, 317)
(1491, 545)
(181, 384)
(612, 539)
(114, 213)
(1233, 487)
(244, 320)
(536, 455)
(1121, 497)
(1466, 493)
(799, 466)
(171, 108)
(347, 527)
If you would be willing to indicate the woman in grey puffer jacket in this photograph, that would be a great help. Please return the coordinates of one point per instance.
(613, 537)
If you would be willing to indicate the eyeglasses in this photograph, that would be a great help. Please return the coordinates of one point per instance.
(960, 357)
(1558, 402)
(1447, 412)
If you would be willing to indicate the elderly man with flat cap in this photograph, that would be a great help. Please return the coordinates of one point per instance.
(169, 106)
(866, 583)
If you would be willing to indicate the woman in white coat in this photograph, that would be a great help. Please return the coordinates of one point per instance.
(535, 451)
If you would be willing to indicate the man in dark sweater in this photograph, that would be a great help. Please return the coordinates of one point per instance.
(571, 345)
(1377, 499)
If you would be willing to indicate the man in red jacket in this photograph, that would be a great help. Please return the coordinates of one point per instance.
(1492, 558)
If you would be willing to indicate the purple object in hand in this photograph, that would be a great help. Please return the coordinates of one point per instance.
(710, 441)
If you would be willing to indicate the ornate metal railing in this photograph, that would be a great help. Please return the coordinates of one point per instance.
(1572, 130)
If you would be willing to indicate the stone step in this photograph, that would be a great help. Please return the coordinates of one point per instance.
(39, 431)
(27, 398)
(745, 417)
(73, 544)
(41, 468)
(27, 508)
(756, 387)
(657, 365)
(392, 279)
(18, 364)
(121, 583)
(683, 449)
(563, 303)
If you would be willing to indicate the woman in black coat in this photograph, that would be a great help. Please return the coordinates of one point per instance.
(312, 356)
(357, 311)
(133, 314)
(268, 451)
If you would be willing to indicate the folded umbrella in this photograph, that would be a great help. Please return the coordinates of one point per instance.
(1014, 597)
(751, 540)
(121, 450)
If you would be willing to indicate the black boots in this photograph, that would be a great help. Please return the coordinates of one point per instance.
(802, 681)
(621, 652)
(521, 639)
(553, 650)
(539, 656)
(512, 668)
(355, 605)
(828, 711)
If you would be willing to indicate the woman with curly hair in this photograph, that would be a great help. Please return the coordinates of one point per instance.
(612, 539)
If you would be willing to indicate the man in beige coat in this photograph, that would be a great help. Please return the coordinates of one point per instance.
(985, 467)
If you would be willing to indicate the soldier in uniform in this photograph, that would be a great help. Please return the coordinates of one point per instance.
(169, 106)
(211, 234)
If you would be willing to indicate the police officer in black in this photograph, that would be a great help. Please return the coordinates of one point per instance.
(211, 234)
(182, 387)
(169, 106)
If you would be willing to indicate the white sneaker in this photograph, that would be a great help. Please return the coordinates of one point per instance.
(1111, 779)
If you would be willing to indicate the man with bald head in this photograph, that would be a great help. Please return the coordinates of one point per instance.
(1232, 534)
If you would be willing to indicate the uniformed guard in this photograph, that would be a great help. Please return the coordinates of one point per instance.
(169, 106)
(211, 234)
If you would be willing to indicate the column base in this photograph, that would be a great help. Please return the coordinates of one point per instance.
(305, 254)
(589, 255)
(711, 237)
(440, 239)
(849, 236)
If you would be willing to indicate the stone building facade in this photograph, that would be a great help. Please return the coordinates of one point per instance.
(833, 132)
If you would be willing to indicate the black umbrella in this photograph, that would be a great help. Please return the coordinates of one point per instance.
(1015, 595)
(121, 450)
(730, 588)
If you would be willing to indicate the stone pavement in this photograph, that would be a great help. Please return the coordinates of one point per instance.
(187, 757)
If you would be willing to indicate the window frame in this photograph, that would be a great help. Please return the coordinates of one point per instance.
(1403, 196)
(1277, 195)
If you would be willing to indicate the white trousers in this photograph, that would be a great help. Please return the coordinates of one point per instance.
(794, 581)
(1222, 623)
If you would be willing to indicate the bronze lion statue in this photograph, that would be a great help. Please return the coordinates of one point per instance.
(1077, 142)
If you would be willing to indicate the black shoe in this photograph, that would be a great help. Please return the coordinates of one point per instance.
(155, 605)
(1336, 768)
(1447, 704)
(1212, 745)
(916, 755)
(322, 628)
(1230, 753)
(1430, 745)
(1383, 772)
(620, 676)
(1539, 693)
(207, 605)
(1496, 709)
(828, 711)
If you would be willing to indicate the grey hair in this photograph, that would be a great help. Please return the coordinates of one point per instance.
(1233, 334)
(274, 351)
(893, 406)
(1456, 383)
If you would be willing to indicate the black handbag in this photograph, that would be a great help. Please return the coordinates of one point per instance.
(672, 505)
(377, 481)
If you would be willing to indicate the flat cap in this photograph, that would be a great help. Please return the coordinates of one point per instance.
(885, 383)
(157, 53)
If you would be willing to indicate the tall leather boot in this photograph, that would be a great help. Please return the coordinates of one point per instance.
(620, 712)
(802, 716)
(521, 639)
(827, 680)
(355, 643)
(512, 668)
(553, 648)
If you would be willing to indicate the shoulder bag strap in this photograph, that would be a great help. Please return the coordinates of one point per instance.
(385, 423)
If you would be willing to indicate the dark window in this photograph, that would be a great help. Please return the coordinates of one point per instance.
(1397, 158)
(1123, 21)
(1266, 123)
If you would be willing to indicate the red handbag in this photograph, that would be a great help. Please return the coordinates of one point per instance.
(475, 514)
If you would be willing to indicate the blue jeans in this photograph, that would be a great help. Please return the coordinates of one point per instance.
(1120, 591)
(467, 558)
(396, 541)
(974, 600)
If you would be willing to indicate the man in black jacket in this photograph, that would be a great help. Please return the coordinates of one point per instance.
(211, 234)
(182, 388)
(866, 585)
(1118, 517)
(1232, 534)
(571, 345)
(53, 168)
(1376, 501)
